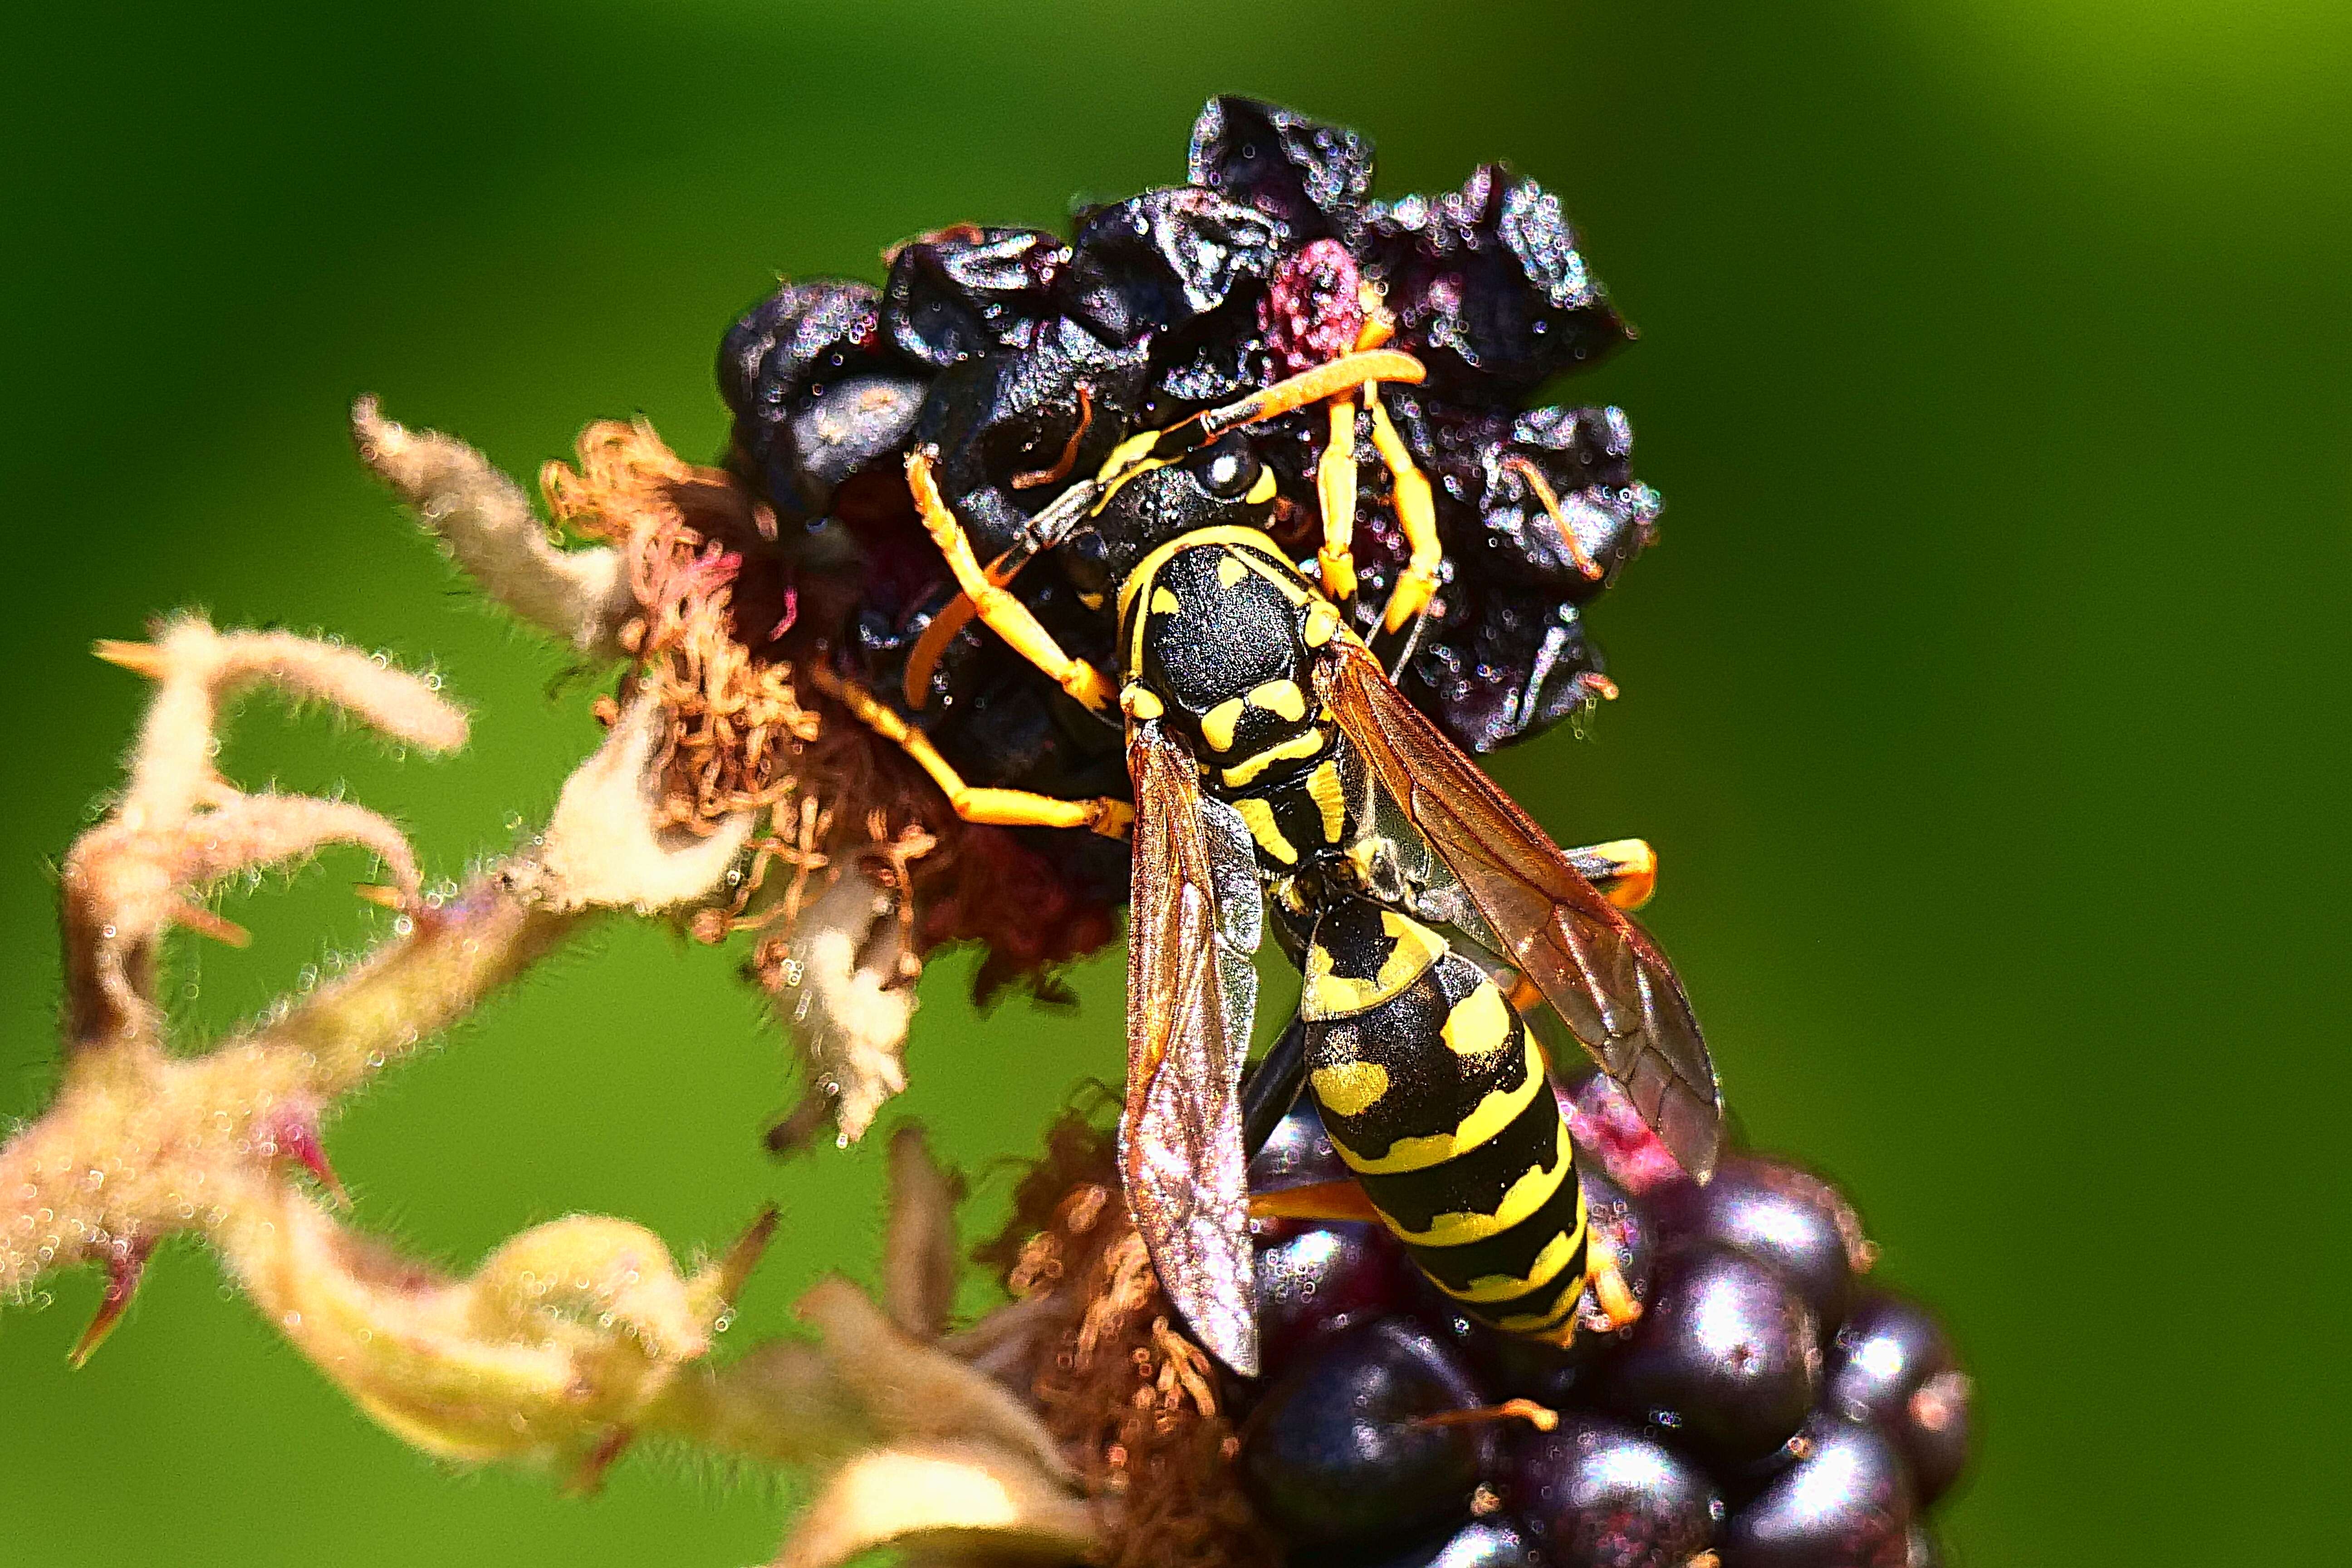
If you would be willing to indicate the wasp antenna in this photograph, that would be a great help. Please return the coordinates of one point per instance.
(1308, 386)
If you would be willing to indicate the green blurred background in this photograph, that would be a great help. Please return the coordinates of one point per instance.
(1984, 697)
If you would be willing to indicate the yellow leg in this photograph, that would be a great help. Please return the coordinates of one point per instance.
(1003, 807)
(1614, 1304)
(1335, 490)
(1416, 514)
(1335, 477)
(1314, 1201)
(1624, 871)
(1003, 614)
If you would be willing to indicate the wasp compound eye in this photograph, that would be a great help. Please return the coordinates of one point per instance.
(1229, 469)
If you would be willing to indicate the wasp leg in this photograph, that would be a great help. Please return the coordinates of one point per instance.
(924, 657)
(1314, 1201)
(974, 802)
(1272, 1086)
(1335, 477)
(1613, 1305)
(1003, 614)
(1624, 870)
(1416, 515)
(1335, 493)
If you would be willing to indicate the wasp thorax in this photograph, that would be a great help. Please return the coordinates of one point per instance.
(1216, 633)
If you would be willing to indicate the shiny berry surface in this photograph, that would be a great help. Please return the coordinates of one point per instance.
(1297, 1153)
(1323, 1280)
(1891, 1364)
(1726, 1358)
(1789, 1218)
(1337, 1452)
(1845, 1503)
(1600, 1494)
(1482, 1543)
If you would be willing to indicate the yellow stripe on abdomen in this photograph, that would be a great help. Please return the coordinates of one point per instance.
(1525, 1195)
(1504, 1288)
(1413, 948)
(1495, 1111)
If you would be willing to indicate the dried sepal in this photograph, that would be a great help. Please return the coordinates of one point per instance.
(920, 1259)
(840, 974)
(581, 597)
(1092, 1340)
(607, 845)
(917, 1448)
(964, 1498)
(704, 626)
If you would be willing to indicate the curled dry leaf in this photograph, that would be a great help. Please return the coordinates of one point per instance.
(552, 1353)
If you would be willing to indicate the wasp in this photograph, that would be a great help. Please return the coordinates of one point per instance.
(1276, 767)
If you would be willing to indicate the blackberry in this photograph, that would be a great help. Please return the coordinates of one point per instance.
(1844, 1503)
(1733, 1417)
(1792, 1219)
(1297, 1152)
(1314, 179)
(1337, 1451)
(1892, 1364)
(1726, 1359)
(1324, 1280)
(1481, 1543)
(1024, 357)
(1598, 1494)
(968, 291)
(1489, 287)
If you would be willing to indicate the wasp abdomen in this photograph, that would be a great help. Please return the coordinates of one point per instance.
(1435, 1094)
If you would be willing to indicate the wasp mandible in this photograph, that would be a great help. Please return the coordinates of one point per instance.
(1276, 766)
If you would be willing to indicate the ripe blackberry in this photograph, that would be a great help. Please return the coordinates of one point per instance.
(1481, 1543)
(1844, 1503)
(1726, 1358)
(1596, 1493)
(1297, 1153)
(1337, 1452)
(1792, 1219)
(1892, 1364)
(1729, 1420)
(1323, 1280)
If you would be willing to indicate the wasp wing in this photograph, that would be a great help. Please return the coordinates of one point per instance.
(1599, 971)
(1195, 917)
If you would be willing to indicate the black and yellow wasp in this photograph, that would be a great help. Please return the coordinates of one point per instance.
(1276, 767)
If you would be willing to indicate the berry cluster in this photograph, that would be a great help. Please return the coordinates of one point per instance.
(1767, 1410)
(1024, 358)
